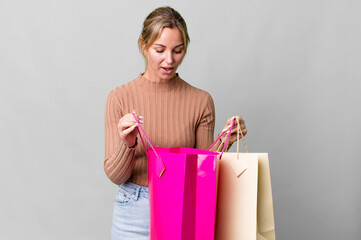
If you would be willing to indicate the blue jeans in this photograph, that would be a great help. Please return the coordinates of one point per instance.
(131, 213)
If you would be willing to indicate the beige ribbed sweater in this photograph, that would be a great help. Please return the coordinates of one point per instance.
(175, 114)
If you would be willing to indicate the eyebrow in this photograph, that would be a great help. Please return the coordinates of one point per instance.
(161, 45)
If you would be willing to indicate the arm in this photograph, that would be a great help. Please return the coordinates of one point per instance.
(205, 129)
(119, 158)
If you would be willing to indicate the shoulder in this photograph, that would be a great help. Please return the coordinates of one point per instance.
(123, 90)
(199, 94)
(124, 87)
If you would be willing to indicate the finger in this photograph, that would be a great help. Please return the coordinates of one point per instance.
(130, 117)
(226, 127)
(141, 119)
(138, 117)
(234, 130)
(244, 131)
(235, 127)
(234, 133)
(234, 136)
(236, 118)
(229, 121)
(135, 132)
(123, 124)
(239, 118)
(243, 126)
(130, 130)
(128, 120)
(231, 140)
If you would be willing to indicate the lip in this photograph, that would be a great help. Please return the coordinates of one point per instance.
(167, 70)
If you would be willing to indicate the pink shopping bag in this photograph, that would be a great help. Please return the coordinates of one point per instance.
(182, 192)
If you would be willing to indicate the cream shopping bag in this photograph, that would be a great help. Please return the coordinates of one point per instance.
(244, 202)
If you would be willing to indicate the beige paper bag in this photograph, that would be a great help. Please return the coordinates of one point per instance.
(244, 202)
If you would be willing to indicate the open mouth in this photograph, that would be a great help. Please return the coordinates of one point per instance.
(168, 69)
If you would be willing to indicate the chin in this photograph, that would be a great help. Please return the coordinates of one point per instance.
(167, 77)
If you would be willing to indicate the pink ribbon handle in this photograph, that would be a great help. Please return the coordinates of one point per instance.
(225, 142)
(159, 167)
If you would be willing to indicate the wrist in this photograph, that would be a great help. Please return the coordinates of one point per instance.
(135, 143)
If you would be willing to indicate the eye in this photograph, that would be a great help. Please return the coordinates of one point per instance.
(159, 51)
(179, 51)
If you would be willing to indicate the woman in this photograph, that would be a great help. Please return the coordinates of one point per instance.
(172, 113)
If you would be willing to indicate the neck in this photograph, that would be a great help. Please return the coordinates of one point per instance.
(156, 79)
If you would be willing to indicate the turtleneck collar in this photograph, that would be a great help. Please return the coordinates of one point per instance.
(147, 84)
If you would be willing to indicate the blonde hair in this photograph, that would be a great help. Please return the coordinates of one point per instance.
(153, 25)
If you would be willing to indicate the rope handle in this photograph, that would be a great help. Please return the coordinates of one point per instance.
(240, 131)
(160, 170)
(225, 141)
(239, 167)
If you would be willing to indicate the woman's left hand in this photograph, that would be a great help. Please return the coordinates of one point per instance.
(233, 136)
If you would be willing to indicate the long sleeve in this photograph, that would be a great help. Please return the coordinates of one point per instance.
(119, 158)
(205, 129)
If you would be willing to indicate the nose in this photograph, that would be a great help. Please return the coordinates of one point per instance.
(169, 58)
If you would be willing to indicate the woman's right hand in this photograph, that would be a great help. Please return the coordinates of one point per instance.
(127, 128)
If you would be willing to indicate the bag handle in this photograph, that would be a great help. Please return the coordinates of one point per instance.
(226, 141)
(238, 166)
(160, 168)
(239, 130)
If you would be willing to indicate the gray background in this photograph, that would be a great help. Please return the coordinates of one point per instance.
(290, 68)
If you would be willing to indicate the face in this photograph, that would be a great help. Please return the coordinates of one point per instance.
(164, 55)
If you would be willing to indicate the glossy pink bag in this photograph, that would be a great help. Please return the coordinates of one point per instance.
(182, 192)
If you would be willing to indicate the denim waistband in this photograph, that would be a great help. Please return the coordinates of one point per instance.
(135, 189)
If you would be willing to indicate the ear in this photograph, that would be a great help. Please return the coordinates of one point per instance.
(142, 44)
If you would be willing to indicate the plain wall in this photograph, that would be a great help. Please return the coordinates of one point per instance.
(290, 68)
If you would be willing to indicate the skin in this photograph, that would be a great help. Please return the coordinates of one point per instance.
(233, 136)
(127, 128)
(164, 56)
